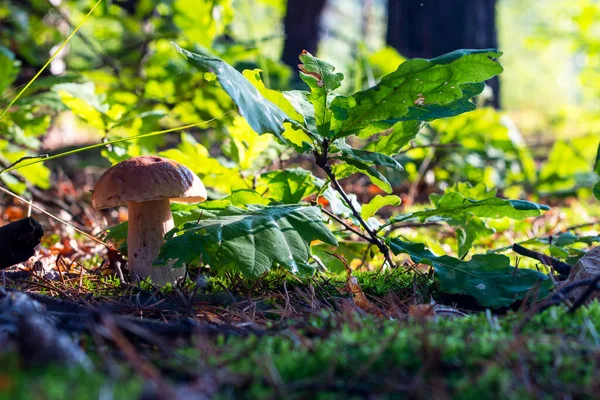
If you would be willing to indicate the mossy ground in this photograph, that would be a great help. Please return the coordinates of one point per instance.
(343, 352)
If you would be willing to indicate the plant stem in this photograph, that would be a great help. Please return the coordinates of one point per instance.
(346, 225)
(322, 161)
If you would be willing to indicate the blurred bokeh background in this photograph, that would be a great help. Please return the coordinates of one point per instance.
(120, 76)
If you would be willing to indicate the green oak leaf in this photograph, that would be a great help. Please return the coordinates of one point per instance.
(322, 80)
(369, 157)
(288, 104)
(419, 89)
(299, 100)
(353, 165)
(430, 112)
(290, 186)
(453, 204)
(376, 203)
(392, 140)
(489, 278)
(250, 241)
(262, 114)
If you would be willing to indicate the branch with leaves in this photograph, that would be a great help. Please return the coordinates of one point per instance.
(318, 121)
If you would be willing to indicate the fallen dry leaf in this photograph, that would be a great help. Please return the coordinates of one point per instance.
(358, 296)
(587, 267)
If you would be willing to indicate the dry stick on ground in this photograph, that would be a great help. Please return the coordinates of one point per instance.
(322, 160)
(560, 267)
(143, 367)
(593, 285)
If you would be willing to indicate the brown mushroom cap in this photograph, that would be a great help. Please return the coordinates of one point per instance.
(147, 178)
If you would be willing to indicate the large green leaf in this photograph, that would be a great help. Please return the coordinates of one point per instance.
(419, 89)
(289, 186)
(392, 140)
(322, 80)
(489, 278)
(250, 241)
(262, 115)
(454, 204)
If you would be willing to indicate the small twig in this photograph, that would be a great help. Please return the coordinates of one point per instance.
(322, 162)
(143, 367)
(24, 158)
(560, 267)
(51, 215)
(90, 44)
(346, 225)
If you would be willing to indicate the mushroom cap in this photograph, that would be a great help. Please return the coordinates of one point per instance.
(147, 178)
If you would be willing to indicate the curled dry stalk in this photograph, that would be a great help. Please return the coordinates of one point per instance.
(324, 162)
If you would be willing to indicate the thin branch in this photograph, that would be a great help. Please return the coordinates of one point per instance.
(20, 160)
(322, 161)
(346, 225)
(560, 267)
(103, 57)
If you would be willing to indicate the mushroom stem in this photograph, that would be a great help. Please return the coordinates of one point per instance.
(148, 223)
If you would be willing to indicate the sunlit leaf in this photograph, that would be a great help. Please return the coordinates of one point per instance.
(262, 115)
(353, 165)
(395, 138)
(453, 204)
(376, 203)
(369, 157)
(322, 80)
(418, 89)
(290, 106)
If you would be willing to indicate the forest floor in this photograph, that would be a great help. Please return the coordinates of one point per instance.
(71, 329)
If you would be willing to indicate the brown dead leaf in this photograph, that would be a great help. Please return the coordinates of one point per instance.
(587, 267)
(358, 296)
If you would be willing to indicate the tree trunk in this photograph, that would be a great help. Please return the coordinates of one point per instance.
(429, 28)
(301, 29)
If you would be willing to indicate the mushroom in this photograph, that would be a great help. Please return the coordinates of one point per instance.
(147, 185)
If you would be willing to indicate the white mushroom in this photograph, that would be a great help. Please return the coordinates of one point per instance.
(147, 185)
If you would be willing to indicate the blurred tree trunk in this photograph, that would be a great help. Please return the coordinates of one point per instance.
(429, 28)
(301, 29)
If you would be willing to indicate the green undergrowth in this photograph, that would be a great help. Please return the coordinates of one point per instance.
(329, 356)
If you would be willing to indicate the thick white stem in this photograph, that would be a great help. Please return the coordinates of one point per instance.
(148, 223)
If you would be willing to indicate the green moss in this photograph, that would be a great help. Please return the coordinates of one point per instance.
(349, 355)
(63, 382)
